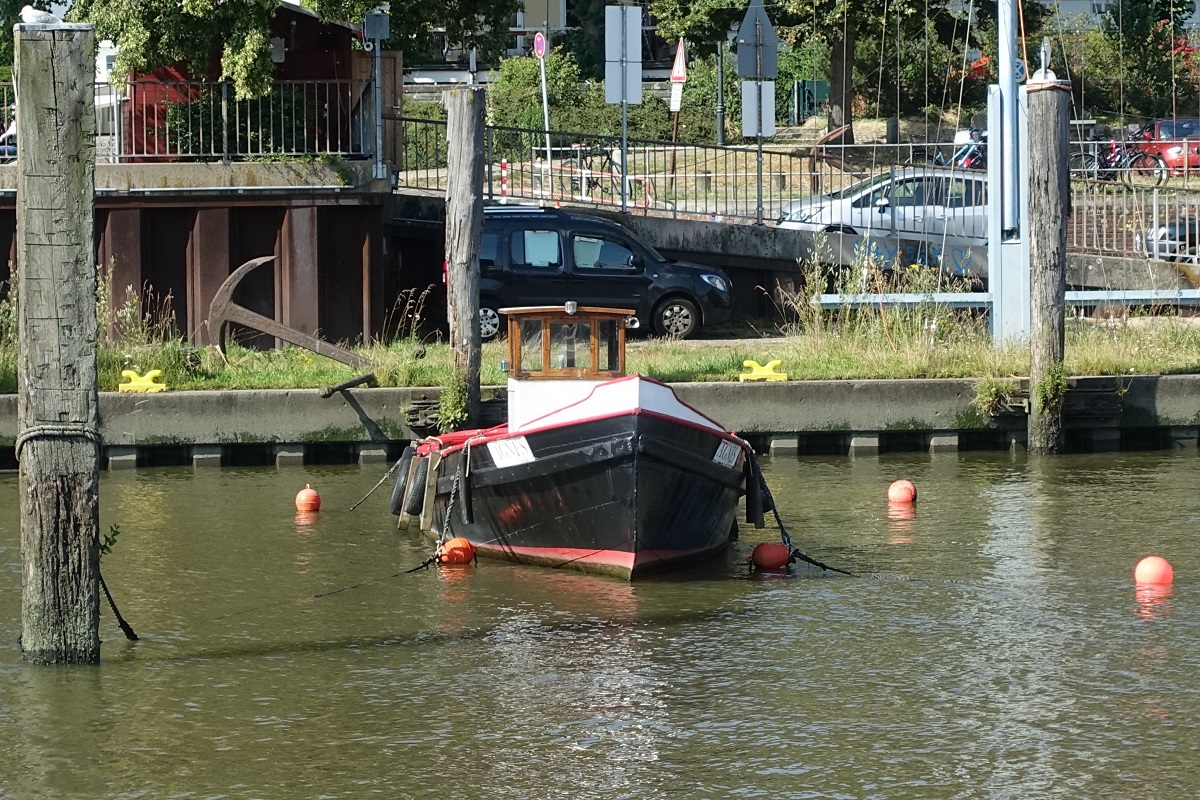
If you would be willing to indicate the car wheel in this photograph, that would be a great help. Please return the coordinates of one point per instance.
(490, 322)
(677, 317)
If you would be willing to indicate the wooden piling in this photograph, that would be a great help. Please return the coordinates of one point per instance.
(464, 232)
(57, 423)
(1049, 210)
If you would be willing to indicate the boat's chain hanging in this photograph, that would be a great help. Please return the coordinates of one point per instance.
(797, 553)
(444, 535)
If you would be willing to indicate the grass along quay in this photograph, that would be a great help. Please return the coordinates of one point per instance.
(925, 341)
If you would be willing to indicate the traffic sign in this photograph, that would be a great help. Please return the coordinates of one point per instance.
(758, 44)
(623, 55)
(539, 45)
(679, 68)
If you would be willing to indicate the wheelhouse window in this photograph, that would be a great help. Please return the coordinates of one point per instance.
(531, 345)
(571, 345)
(547, 343)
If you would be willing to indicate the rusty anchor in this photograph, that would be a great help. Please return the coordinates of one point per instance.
(223, 312)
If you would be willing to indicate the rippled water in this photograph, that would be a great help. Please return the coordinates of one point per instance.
(993, 646)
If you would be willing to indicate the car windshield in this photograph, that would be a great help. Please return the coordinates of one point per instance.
(861, 186)
(1178, 129)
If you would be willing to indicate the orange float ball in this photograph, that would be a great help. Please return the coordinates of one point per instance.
(902, 491)
(456, 551)
(307, 499)
(1153, 570)
(770, 555)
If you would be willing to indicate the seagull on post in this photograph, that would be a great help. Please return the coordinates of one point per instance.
(34, 16)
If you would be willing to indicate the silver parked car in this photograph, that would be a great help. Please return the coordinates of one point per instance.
(925, 215)
(1174, 240)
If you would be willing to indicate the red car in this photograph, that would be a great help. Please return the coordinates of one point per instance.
(1176, 140)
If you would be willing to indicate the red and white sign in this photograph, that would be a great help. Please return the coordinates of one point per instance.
(679, 68)
(539, 45)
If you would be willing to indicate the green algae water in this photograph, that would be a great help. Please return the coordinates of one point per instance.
(992, 646)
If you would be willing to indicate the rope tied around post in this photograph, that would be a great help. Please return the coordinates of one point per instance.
(56, 430)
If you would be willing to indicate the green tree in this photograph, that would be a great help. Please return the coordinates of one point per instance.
(839, 24)
(155, 33)
(1153, 56)
(10, 14)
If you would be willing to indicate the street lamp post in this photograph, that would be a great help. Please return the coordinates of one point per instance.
(720, 94)
(729, 37)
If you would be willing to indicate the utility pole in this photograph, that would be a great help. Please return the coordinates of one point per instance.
(1049, 208)
(57, 402)
(464, 231)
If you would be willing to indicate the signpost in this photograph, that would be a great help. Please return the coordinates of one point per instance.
(678, 78)
(539, 50)
(623, 73)
(758, 58)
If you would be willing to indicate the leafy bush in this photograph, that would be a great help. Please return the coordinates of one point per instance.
(284, 121)
(424, 144)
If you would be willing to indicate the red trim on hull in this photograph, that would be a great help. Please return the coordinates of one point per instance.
(483, 436)
(623, 563)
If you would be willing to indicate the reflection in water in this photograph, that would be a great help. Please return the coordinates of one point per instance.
(591, 682)
(305, 520)
(281, 659)
(1153, 601)
(900, 527)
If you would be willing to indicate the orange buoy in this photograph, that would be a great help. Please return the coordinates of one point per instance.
(770, 555)
(307, 499)
(902, 491)
(1153, 570)
(456, 551)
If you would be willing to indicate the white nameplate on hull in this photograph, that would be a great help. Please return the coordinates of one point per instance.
(510, 452)
(727, 453)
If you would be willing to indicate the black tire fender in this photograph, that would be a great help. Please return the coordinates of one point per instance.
(414, 496)
(395, 504)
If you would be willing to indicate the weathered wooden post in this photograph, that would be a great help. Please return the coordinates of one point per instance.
(1049, 207)
(57, 420)
(464, 231)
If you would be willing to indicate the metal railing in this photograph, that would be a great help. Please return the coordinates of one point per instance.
(1116, 212)
(203, 121)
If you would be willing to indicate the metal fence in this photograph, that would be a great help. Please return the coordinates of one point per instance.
(203, 121)
(1116, 211)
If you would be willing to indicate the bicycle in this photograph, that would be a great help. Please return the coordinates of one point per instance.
(971, 152)
(596, 172)
(1120, 162)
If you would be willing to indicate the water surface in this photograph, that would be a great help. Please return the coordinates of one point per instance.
(992, 646)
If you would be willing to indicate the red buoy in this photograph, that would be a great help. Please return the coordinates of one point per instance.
(455, 551)
(902, 491)
(1153, 570)
(307, 499)
(770, 555)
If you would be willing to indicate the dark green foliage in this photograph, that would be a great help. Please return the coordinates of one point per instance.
(1153, 57)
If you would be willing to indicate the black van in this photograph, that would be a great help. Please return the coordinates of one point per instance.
(534, 256)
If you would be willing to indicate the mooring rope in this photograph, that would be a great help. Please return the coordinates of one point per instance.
(56, 430)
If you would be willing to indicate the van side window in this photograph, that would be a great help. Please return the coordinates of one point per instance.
(489, 251)
(594, 252)
(535, 249)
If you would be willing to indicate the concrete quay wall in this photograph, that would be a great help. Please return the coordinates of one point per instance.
(796, 417)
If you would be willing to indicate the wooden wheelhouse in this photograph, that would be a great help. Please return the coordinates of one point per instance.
(567, 342)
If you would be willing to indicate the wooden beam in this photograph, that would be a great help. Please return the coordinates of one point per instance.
(57, 405)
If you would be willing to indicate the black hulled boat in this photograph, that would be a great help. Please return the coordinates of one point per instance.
(594, 470)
